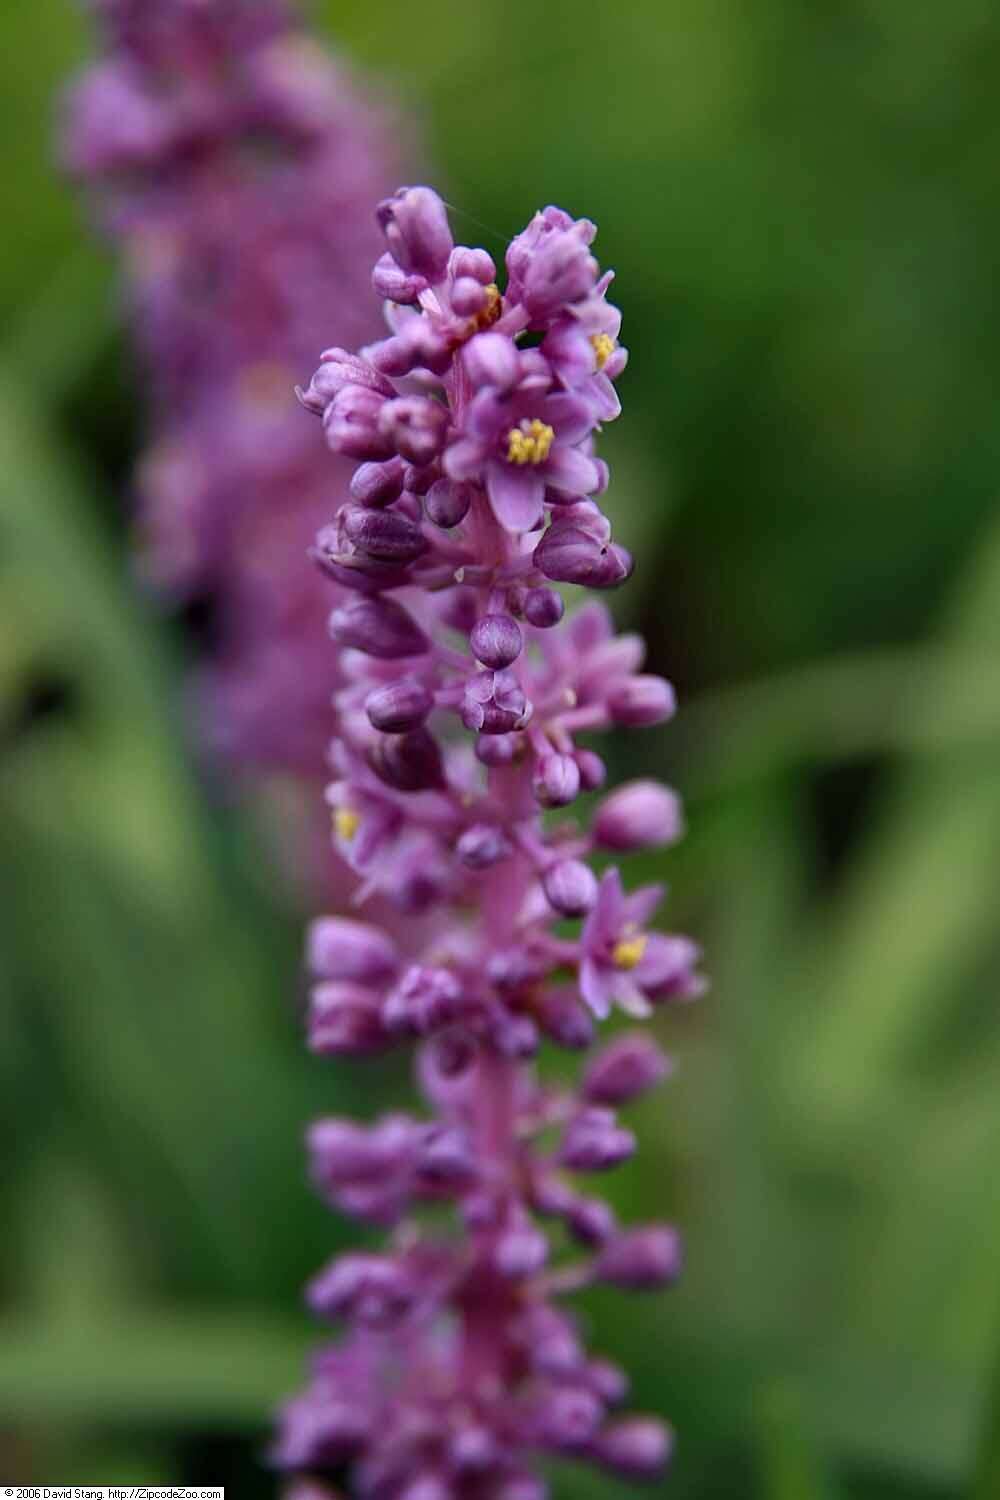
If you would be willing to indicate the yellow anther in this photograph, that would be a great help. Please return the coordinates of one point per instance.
(530, 442)
(629, 951)
(604, 346)
(346, 823)
(491, 308)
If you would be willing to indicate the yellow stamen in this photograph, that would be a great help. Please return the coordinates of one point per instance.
(604, 346)
(629, 951)
(346, 823)
(530, 442)
(491, 308)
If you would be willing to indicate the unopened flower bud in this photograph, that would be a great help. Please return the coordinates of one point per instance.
(570, 887)
(468, 297)
(639, 815)
(641, 1259)
(417, 345)
(549, 264)
(399, 706)
(444, 1158)
(567, 554)
(496, 640)
(473, 1450)
(642, 701)
(418, 478)
(415, 224)
(337, 371)
(591, 1221)
(482, 846)
(377, 484)
(627, 1067)
(344, 1020)
(637, 1447)
(543, 608)
(593, 771)
(351, 424)
(594, 1141)
(355, 570)
(569, 1418)
(447, 502)
(424, 1000)
(383, 534)
(394, 284)
(494, 703)
(477, 264)
(499, 749)
(372, 1289)
(339, 948)
(607, 1381)
(565, 1020)
(491, 359)
(520, 1251)
(408, 762)
(556, 780)
(415, 426)
(379, 627)
(514, 1036)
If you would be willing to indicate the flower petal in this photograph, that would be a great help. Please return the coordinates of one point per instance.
(596, 988)
(629, 997)
(640, 906)
(571, 471)
(589, 627)
(605, 922)
(516, 494)
(489, 414)
(606, 404)
(571, 416)
(463, 459)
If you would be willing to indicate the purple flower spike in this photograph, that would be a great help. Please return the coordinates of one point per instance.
(466, 684)
(232, 162)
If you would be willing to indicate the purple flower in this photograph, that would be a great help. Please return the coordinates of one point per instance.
(623, 964)
(583, 348)
(464, 691)
(549, 264)
(521, 442)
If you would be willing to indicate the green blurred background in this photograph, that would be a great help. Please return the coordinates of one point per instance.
(800, 198)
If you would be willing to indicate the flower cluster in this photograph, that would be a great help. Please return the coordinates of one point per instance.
(232, 162)
(465, 692)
